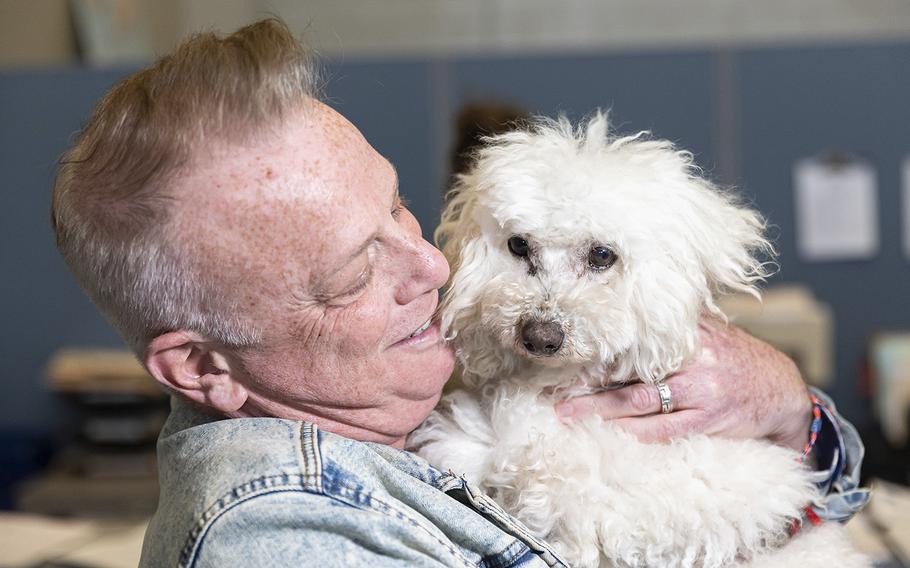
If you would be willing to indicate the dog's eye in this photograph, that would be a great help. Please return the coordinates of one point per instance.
(601, 258)
(518, 246)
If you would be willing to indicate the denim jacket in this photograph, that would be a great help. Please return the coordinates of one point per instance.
(259, 492)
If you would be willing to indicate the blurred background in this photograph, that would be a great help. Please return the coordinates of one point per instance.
(804, 106)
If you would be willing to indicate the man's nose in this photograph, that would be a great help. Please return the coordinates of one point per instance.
(426, 270)
(542, 337)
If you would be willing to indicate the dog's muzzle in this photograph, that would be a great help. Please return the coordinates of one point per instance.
(542, 337)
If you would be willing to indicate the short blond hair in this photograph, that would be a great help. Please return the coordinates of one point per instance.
(112, 194)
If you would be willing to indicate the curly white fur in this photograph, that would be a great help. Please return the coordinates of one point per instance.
(602, 497)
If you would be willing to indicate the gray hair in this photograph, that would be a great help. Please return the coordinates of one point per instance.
(114, 188)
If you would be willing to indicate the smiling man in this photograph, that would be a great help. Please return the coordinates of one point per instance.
(308, 231)
(253, 250)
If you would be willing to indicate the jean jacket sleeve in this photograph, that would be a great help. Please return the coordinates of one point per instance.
(839, 456)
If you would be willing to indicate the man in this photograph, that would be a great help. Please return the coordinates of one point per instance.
(253, 250)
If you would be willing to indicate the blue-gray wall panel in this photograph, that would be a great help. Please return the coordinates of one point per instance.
(42, 306)
(669, 94)
(796, 104)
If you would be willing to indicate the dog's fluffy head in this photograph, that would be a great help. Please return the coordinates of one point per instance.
(617, 240)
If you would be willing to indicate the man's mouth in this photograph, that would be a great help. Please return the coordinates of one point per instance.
(421, 329)
(427, 332)
(424, 335)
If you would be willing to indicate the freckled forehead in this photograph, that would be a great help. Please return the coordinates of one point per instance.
(316, 156)
(294, 199)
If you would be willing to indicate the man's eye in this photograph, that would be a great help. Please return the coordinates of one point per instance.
(358, 287)
(400, 205)
(362, 282)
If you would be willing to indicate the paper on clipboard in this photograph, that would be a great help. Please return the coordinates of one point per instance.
(836, 209)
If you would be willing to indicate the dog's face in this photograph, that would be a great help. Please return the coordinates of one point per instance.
(571, 247)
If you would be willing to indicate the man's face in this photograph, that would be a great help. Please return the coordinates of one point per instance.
(307, 232)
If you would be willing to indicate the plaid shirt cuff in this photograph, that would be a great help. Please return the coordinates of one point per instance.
(839, 455)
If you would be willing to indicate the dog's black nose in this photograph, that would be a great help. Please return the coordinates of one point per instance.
(542, 337)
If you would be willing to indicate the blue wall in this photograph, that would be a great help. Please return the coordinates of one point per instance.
(795, 104)
(41, 306)
(786, 104)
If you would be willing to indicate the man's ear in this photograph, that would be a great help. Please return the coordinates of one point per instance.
(185, 362)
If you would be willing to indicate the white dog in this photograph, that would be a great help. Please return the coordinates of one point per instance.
(581, 259)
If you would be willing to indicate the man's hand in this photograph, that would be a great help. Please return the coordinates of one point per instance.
(736, 387)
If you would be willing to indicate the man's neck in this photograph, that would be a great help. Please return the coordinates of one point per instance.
(389, 426)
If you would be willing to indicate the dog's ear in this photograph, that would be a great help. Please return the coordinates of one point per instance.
(710, 244)
(468, 251)
(457, 225)
(460, 239)
(728, 241)
(666, 305)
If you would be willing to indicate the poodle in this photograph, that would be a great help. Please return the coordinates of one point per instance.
(583, 260)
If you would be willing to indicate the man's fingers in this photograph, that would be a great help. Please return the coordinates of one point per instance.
(639, 399)
(663, 427)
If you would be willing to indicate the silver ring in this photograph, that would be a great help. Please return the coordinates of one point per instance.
(666, 397)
